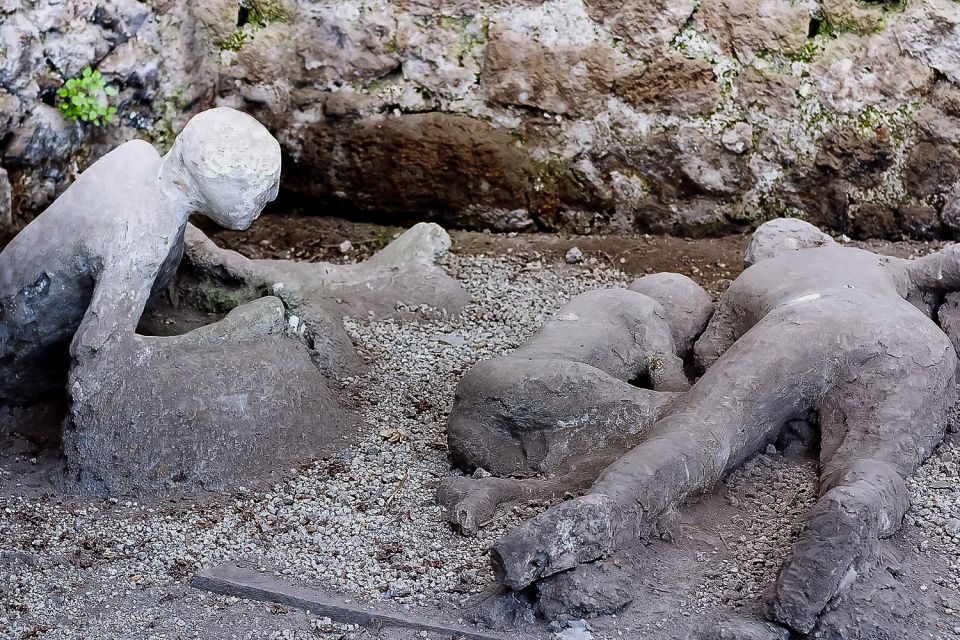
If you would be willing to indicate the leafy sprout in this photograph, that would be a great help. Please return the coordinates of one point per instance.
(87, 99)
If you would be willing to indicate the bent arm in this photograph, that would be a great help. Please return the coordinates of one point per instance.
(725, 328)
(115, 309)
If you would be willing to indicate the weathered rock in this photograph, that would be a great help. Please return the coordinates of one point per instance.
(738, 138)
(10, 107)
(131, 64)
(672, 84)
(873, 220)
(646, 26)
(919, 221)
(931, 33)
(21, 61)
(931, 169)
(950, 215)
(854, 73)
(939, 119)
(42, 136)
(574, 256)
(426, 54)
(433, 164)
(342, 85)
(740, 629)
(453, 8)
(261, 70)
(505, 610)
(746, 28)
(122, 19)
(687, 163)
(339, 48)
(952, 527)
(6, 212)
(339, 104)
(590, 590)
(860, 160)
(75, 48)
(702, 217)
(822, 201)
(426, 163)
(845, 161)
(712, 169)
(696, 217)
(861, 18)
(567, 80)
(774, 93)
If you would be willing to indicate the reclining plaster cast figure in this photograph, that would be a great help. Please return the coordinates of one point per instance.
(565, 404)
(238, 398)
(320, 293)
(812, 327)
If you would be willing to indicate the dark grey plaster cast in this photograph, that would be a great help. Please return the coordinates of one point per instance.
(401, 276)
(565, 404)
(812, 326)
(237, 400)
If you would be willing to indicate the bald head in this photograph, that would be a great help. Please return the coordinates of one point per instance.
(227, 164)
(781, 235)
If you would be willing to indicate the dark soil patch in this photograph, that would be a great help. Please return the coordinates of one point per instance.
(712, 262)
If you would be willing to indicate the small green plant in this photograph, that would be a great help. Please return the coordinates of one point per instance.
(87, 99)
(233, 42)
(262, 12)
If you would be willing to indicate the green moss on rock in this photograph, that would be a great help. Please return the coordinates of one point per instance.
(213, 299)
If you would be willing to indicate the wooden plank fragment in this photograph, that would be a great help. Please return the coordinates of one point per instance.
(230, 580)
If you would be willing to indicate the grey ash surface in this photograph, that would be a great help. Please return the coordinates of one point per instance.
(363, 523)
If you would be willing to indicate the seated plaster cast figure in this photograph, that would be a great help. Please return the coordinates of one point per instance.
(81, 273)
(229, 402)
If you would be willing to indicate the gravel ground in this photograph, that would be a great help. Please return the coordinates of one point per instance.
(363, 523)
(777, 494)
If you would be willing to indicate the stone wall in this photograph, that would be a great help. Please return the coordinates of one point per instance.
(677, 116)
(155, 53)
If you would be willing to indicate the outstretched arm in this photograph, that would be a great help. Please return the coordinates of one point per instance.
(205, 255)
(938, 271)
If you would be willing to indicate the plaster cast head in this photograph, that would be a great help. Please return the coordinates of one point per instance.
(226, 165)
(687, 305)
(780, 236)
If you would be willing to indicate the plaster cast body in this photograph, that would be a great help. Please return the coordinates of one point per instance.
(564, 404)
(813, 328)
(81, 273)
(218, 400)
